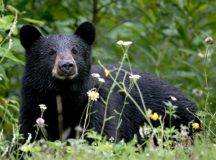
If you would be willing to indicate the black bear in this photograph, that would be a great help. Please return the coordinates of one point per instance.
(60, 65)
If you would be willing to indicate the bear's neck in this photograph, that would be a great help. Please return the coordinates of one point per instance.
(72, 95)
(74, 87)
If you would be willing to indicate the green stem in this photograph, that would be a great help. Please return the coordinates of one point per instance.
(110, 91)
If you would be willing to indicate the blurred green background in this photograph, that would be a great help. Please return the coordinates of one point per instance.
(168, 40)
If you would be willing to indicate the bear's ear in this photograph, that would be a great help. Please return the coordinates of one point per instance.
(86, 31)
(28, 35)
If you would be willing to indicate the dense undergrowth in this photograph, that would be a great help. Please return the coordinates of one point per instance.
(171, 39)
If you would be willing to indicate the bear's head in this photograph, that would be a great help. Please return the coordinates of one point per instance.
(58, 57)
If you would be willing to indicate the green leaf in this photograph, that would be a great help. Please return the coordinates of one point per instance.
(34, 21)
(1, 38)
(12, 9)
(4, 53)
(30, 148)
(5, 22)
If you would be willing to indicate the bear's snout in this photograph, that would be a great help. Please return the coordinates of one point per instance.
(67, 67)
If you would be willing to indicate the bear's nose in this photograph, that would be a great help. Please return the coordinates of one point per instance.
(66, 67)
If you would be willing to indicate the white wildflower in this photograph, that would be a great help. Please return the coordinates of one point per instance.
(127, 43)
(120, 42)
(124, 43)
(184, 131)
(173, 98)
(134, 77)
(145, 130)
(111, 139)
(101, 80)
(159, 140)
(201, 55)
(209, 40)
(95, 75)
(42, 107)
(197, 92)
(93, 95)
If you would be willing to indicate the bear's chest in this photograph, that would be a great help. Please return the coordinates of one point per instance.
(64, 112)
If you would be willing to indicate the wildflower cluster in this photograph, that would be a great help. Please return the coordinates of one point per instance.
(42, 107)
(96, 75)
(145, 130)
(40, 120)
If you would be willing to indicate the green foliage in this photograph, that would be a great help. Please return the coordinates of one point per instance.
(79, 149)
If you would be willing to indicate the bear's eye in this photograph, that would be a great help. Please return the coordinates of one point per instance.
(52, 52)
(74, 51)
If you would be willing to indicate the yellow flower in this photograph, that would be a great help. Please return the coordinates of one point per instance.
(93, 95)
(195, 125)
(106, 72)
(154, 116)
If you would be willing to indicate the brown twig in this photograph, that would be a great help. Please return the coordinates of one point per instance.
(94, 11)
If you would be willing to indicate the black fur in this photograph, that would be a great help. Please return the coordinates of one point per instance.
(40, 87)
(29, 35)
